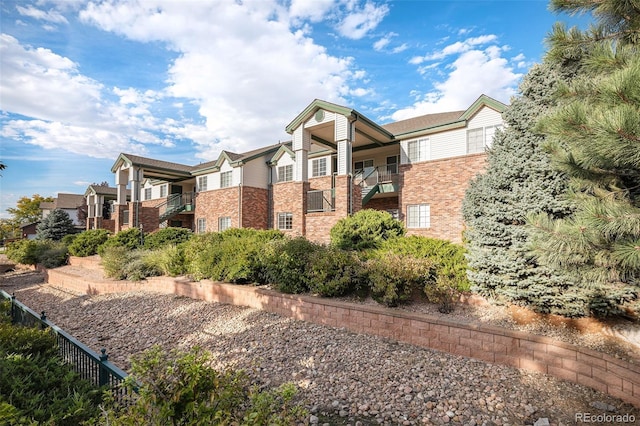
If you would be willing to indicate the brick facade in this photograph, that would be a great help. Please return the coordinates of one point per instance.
(290, 197)
(255, 207)
(214, 204)
(384, 203)
(441, 184)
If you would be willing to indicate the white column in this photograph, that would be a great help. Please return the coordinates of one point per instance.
(91, 213)
(344, 131)
(301, 145)
(121, 187)
(99, 205)
(134, 178)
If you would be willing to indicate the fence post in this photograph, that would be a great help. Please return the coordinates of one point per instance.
(13, 309)
(103, 374)
(43, 318)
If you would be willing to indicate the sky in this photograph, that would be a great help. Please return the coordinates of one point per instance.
(180, 80)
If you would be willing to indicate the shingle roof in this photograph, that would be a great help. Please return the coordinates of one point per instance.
(422, 122)
(68, 201)
(143, 161)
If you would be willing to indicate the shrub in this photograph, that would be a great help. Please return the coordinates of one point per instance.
(36, 386)
(48, 253)
(333, 272)
(232, 255)
(393, 278)
(121, 263)
(285, 264)
(182, 387)
(365, 229)
(169, 260)
(87, 242)
(166, 236)
(129, 238)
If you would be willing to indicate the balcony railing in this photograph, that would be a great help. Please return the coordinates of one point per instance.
(174, 204)
(323, 200)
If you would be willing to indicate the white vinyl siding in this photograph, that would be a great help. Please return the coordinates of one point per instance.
(226, 179)
(285, 221)
(418, 216)
(202, 183)
(285, 173)
(201, 225)
(224, 223)
(319, 167)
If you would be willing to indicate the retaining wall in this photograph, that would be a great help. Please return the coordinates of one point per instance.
(600, 371)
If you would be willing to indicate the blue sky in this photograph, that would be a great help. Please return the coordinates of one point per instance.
(82, 81)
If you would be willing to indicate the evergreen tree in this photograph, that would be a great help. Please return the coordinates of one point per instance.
(594, 137)
(519, 180)
(56, 225)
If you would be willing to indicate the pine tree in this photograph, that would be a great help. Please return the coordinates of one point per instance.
(594, 137)
(56, 225)
(519, 180)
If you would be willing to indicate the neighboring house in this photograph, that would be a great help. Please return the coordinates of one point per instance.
(337, 163)
(70, 203)
(29, 230)
(100, 200)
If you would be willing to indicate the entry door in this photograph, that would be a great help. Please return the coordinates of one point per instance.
(175, 199)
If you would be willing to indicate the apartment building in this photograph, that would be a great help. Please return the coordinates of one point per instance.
(337, 162)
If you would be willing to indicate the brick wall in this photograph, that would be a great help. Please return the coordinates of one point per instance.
(290, 197)
(442, 185)
(217, 203)
(386, 203)
(597, 370)
(254, 207)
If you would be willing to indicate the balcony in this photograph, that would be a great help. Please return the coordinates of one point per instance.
(175, 204)
(321, 200)
(374, 180)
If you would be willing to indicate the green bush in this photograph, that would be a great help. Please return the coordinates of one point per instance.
(180, 388)
(48, 253)
(36, 386)
(87, 242)
(129, 238)
(285, 264)
(365, 229)
(169, 260)
(122, 263)
(333, 272)
(232, 255)
(166, 236)
(394, 278)
(68, 239)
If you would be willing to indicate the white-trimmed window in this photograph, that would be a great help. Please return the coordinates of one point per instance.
(489, 133)
(202, 183)
(163, 191)
(285, 221)
(201, 225)
(418, 216)
(226, 178)
(147, 193)
(319, 167)
(224, 223)
(418, 150)
(285, 173)
(475, 140)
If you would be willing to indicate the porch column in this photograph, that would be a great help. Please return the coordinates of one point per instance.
(98, 205)
(121, 186)
(91, 206)
(301, 146)
(344, 130)
(134, 178)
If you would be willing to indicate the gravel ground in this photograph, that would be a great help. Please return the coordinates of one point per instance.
(345, 378)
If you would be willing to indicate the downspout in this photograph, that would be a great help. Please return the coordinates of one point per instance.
(350, 174)
(269, 195)
(240, 197)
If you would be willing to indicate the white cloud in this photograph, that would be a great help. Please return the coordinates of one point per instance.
(359, 22)
(455, 48)
(50, 16)
(473, 73)
(382, 44)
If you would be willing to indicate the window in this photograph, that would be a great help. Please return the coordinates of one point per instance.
(163, 191)
(285, 221)
(489, 133)
(361, 165)
(202, 183)
(418, 216)
(147, 193)
(418, 150)
(224, 223)
(226, 179)
(202, 225)
(319, 167)
(475, 140)
(285, 173)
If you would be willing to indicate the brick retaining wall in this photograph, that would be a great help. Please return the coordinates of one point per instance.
(600, 371)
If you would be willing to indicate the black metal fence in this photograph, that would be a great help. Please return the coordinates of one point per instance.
(88, 364)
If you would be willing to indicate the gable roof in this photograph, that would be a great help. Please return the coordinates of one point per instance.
(236, 159)
(63, 201)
